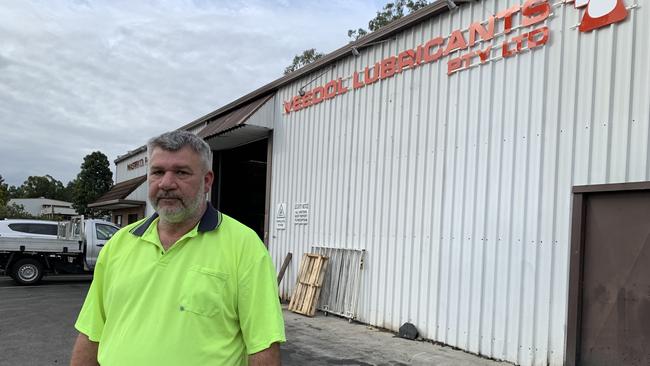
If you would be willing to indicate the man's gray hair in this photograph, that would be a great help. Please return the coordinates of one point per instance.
(176, 140)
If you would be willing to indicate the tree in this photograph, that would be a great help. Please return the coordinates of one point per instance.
(390, 12)
(10, 211)
(45, 186)
(307, 57)
(94, 179)
(15, 192)
(4, 192)
(69, 190)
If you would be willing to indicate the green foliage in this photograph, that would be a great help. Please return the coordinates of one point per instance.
(390, 12)
(69, 190)
(357, 33)
(35, 187)
(13, 211)
(94, 179)
(4, 192)
(307, 57)
(15, 192)
(46, 187)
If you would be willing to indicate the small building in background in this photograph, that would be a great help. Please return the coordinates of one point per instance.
(45, 207)
(127, 199)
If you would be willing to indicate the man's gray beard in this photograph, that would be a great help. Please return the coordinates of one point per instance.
(183, 212)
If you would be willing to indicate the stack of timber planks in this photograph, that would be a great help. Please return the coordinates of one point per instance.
(310, 281)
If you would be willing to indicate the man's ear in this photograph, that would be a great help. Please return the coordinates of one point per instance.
(208, 179)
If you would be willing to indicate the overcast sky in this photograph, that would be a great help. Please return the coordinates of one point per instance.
(78, 76)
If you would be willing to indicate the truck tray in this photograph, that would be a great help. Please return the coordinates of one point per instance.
(40, 245)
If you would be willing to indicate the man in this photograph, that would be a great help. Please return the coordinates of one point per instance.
(186, 286)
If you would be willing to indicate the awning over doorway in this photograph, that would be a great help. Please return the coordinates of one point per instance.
(115, 198)
(248, 123)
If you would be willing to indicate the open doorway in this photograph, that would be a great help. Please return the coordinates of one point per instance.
(239, 189)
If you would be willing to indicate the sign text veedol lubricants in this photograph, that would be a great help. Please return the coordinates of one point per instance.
(455, 47)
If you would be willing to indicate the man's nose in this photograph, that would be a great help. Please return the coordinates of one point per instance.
(168, 181)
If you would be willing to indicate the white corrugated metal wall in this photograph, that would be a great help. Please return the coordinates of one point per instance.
(459, 186)
(263, 117)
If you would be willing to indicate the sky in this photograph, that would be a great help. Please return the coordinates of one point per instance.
(78, 76)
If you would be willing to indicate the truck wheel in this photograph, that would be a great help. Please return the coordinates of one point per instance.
(27, 271)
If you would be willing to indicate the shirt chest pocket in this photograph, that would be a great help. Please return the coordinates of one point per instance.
(203, 291)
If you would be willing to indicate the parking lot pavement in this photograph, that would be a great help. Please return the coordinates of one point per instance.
(36, 323)
(37, 329)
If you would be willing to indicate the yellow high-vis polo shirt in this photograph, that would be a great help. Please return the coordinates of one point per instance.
(211, 299)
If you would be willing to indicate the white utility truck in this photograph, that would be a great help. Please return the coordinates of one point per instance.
(73, 250)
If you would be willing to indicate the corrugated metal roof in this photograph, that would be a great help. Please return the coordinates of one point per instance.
(233, 119)
(122, 190)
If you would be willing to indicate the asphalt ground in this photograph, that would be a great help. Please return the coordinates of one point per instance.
(36, 329)
(37, 322)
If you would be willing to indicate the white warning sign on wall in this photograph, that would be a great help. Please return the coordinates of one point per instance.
(301, 213)
(281, 217)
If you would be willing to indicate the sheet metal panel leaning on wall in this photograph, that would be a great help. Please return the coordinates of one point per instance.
(458, 186)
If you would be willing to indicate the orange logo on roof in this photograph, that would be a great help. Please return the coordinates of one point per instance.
(600, 13)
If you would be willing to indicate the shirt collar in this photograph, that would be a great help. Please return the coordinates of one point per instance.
(210, 220)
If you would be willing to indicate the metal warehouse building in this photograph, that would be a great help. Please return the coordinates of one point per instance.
(479, 169)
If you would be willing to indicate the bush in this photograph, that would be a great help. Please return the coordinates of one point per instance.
(14, 211)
